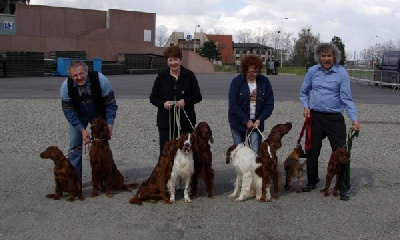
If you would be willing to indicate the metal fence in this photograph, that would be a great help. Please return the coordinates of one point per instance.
(381, 78)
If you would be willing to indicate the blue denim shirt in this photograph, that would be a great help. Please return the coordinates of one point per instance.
(328, 91)
(239, 102)
(81, 119)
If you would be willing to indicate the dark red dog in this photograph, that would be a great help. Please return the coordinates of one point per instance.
(203, 159)
(65, 175)
(104, 171)
(154, 188)
(338, 157)
(267, 153)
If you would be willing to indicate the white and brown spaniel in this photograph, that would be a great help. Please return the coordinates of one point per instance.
(183, 167)
(248, 173)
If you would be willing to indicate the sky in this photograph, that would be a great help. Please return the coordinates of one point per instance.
(356, 22)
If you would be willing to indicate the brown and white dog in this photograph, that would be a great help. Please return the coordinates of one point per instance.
(338, 157)
(104, 171)
(294, 168)
(65, 176)
(248, 173)
(183, 168)
(203, 159)
(155, 187)
(267, 153)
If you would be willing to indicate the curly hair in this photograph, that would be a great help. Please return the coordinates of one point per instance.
(325, 47)
(173, 51)
(251, 60)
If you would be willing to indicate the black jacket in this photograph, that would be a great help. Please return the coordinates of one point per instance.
(186, 88)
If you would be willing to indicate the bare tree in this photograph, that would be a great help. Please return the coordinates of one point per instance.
(161, 36)
(245, 36)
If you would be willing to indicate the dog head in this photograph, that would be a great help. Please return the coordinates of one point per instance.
(170, 148)
(185, 142)
(204, 132)
(99, 129)
(283, 129)
(53, 153)
(230, 153)
(341, 155)
(299, 151)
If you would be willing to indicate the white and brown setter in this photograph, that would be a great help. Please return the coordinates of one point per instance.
(183, 167)
(248, 172)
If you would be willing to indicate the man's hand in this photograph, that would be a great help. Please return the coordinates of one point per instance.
(85, 136)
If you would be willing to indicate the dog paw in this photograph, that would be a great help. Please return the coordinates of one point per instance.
(326, 194)
(232, 195)
(81, 198)
(71, 199)
(109, 195)
(94, 195)
(50, 195)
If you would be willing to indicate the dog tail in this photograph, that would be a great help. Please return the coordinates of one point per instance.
(130, 186)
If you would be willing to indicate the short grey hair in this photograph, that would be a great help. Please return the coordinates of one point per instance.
(76, 63)
(324, 47)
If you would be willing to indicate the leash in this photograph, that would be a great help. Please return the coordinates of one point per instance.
(247, 140)
(349, 145)
(177, 120)
(306, 125)
(76, 149)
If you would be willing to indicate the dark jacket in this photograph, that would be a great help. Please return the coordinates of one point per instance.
(239, 102)
(186, 87)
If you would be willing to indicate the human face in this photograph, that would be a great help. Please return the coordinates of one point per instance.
(78, 74)
(174, 63)
(252, 73)
(326, 59)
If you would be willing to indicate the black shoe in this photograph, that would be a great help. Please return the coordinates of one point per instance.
(344, 196)
(309, 187)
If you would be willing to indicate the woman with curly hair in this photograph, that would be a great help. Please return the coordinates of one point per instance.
(251, 102)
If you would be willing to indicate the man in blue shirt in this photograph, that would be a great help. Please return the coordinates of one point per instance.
(325, 94)
(85, 95)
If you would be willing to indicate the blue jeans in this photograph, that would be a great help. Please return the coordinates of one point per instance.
(240, 137)
(75, 141)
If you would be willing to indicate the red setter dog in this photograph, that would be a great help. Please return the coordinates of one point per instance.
(338, 157)
(294, 168)
(154, 188)
(104, 171)
(267, 153)
(65, 175)
(203, 159)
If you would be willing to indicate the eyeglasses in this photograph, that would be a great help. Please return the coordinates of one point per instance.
(253, 72)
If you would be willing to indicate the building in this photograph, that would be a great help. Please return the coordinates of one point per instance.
(265, 52)
(100, 34)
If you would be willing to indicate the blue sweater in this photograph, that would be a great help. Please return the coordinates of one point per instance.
(239, 102)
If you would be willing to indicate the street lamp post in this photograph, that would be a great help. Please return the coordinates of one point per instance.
(369, 55)
(194, 38)
(281, 40)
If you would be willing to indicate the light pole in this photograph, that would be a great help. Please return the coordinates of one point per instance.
(281, 39)
(369, 55)
(194, 38)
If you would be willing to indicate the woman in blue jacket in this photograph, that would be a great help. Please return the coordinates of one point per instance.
(174, 93)
(251, 102)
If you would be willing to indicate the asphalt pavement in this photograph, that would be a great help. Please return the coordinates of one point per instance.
(31, 120)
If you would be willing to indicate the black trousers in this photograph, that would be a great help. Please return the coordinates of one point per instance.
(164, 135)
(331, 125)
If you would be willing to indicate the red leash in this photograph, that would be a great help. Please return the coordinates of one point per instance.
(306, 125)
(76, 149)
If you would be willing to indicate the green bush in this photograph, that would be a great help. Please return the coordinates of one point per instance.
(301, 71)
